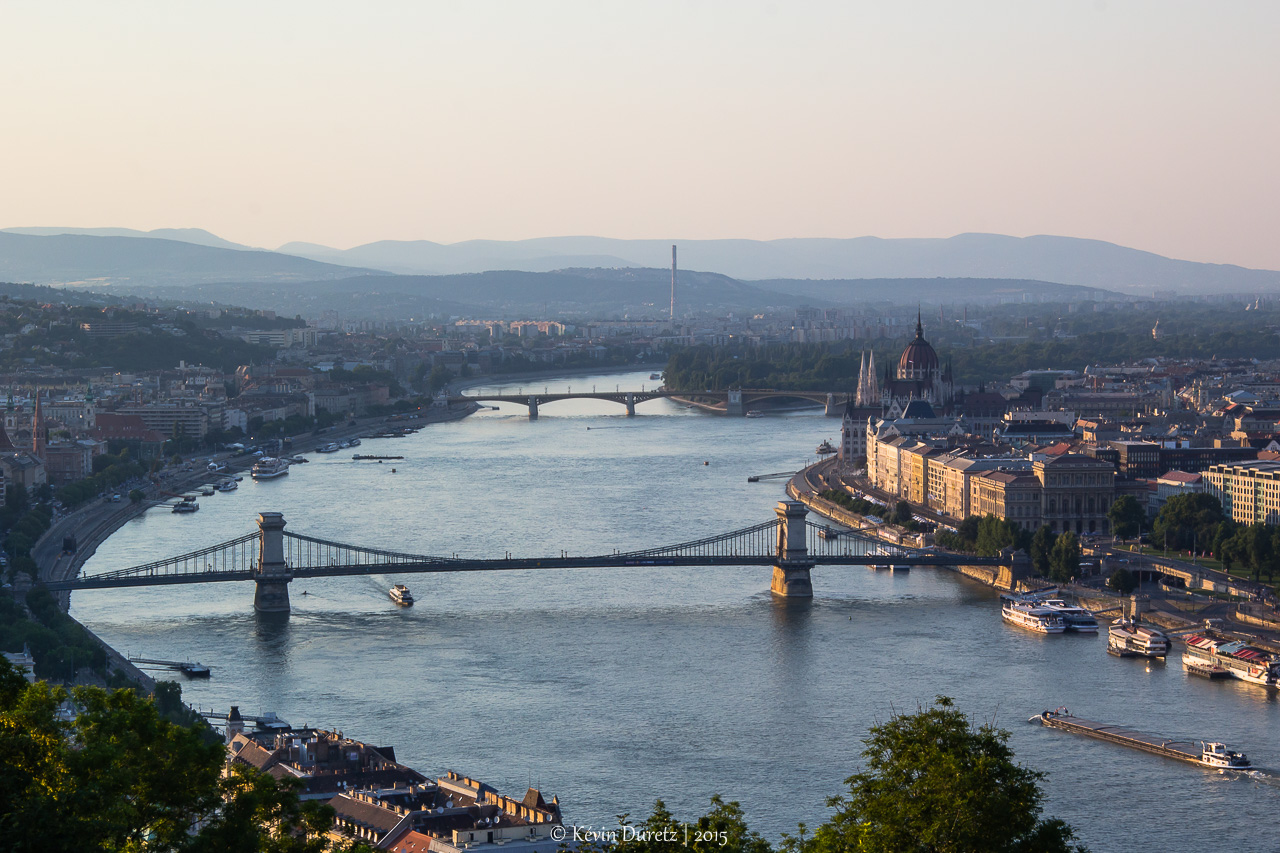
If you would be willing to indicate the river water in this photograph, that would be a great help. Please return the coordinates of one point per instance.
(612, 688)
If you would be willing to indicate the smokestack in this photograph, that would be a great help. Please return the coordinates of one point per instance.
(673, 285)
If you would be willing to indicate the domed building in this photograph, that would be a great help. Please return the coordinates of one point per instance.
(920, 376)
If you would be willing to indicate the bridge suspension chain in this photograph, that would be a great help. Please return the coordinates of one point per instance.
(825, 541)
(756, 541)
(235, 556)
(311, 551)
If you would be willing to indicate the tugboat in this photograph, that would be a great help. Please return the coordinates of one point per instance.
(1217, 756)
(400, 595)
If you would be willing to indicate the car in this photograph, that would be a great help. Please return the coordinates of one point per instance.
(115, 499)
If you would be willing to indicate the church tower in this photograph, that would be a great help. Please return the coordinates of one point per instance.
(38, 431)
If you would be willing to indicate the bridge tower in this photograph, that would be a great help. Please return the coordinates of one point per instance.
(791, 577)
(733, 403)
(272, 582)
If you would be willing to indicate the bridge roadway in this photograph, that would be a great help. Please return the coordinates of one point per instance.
(922, 559)
(272, 558)
(731, 402)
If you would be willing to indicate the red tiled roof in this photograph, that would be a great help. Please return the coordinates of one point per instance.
(1181, 477)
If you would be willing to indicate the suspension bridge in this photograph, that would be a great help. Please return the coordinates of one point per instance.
(273, 557)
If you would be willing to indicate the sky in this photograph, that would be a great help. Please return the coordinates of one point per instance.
(1149, 124)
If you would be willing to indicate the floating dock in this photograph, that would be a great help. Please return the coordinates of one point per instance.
(366, 456)
(755, 478)
(188, 668)
(1180, 750)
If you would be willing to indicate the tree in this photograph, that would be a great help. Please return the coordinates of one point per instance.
(902, 513)
(721, 829)
(935, 783)
(1187, 521)
(1041, 546)
(1064, 559)
(122, 777)
(136, 496)
(1122, 581)
(1126, 516)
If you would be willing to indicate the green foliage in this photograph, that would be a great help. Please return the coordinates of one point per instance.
(440, 377)
(117, 470)
(857, 506)
(1064, 559)
(723, 828)
(935, 783)
(1122, 581)
(1041, 547)
(1126, 516)
(902, 513)
(986, 535)
(122, 777)
(1187, 521)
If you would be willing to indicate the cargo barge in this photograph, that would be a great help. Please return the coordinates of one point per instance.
(1208, 754)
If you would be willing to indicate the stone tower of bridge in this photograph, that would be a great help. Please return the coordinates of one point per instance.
(791, 578)
(272, 579)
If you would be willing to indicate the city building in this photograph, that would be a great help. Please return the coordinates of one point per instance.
(1249, 491)
(1078, 491)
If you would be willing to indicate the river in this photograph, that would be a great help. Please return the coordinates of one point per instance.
(612, 688)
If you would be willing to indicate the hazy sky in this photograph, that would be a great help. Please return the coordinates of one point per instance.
(1151, 124)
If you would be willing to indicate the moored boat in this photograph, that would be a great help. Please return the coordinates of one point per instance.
(1127, 638)
(826, 448)
(268, 468)
(1075, 619)
(186, 505)
(1033, 617)
(1209, 656)
(331, 447)
(228, 486)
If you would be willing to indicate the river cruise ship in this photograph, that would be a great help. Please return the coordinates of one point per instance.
(1204, 655)
(1126, 639)
(268, 468)
(1033, 617)
(400, 595)
(1075, 619)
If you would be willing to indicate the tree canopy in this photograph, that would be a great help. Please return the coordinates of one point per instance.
(1126, 516)
(934, 784)
(122, 777)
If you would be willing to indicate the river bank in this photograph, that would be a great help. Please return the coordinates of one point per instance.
(93, 523)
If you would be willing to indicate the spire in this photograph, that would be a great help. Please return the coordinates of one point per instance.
(919, 323)
(37, 429)
(873, 385)
(860, 398)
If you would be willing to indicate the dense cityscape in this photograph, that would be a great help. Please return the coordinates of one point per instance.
(639, 428)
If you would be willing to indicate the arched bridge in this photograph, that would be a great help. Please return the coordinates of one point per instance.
(732, 402)
(790, 543)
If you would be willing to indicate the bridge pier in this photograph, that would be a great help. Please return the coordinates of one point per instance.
(733, 404)
(533, 408)
(271, 593)
(791, 574)
(631, 405)
(832, 410)
(1015, 566)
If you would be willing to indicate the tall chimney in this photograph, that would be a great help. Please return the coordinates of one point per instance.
(673, 285)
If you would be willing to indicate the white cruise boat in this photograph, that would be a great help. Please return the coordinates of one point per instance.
(268, 468)
(1210, 656)
(331, 447)
(1126, 638)
(400, 595)
(355, 442)
(1075, 619)
(1033, 617)
(186, 505)
(228, 486)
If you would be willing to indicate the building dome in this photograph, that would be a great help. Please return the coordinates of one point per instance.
(918, 360)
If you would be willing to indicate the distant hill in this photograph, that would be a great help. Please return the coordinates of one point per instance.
(974, 291)
(635, 293)
(198, 236)
(1067, 260)
(132, 261)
